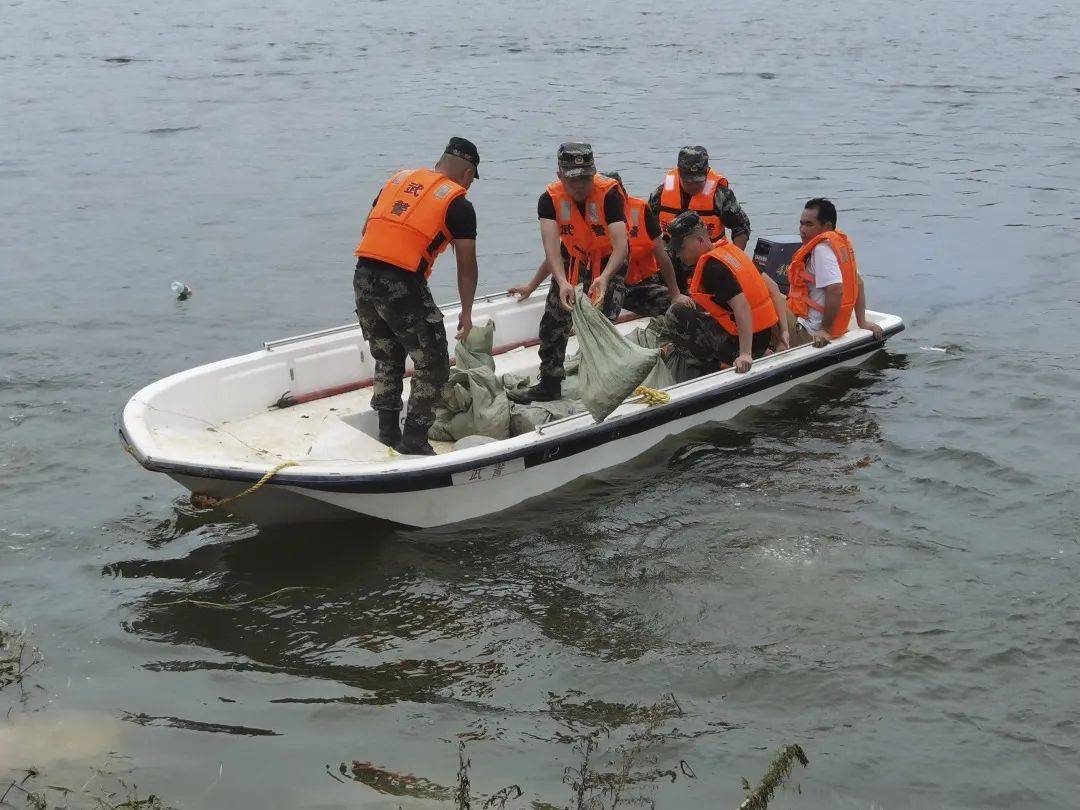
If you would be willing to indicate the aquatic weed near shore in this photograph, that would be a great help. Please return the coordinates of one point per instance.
(627, 775)
(18, 655)
(621, 781)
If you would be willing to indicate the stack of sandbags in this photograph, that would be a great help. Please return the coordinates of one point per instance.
(475, 402)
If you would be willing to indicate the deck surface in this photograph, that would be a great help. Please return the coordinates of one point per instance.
(340, 428)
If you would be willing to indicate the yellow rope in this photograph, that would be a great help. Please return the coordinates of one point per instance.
(650, 396)
(203, 501)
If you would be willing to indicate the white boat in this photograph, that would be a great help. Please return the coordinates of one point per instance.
(219, 428)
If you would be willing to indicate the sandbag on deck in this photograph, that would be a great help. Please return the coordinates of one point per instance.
(527, 418)
(474, 402)
(611, 367)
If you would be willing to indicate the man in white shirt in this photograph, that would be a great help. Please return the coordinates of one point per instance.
(827, 288)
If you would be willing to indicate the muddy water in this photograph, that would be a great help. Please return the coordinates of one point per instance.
(881, 567)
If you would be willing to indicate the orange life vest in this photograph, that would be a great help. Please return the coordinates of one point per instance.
(585, 237)
(704, 202)
(750, 281)
(800, 279)
(407, 226)
(642, 261)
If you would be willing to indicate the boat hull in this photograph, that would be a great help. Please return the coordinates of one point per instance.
(440, 499)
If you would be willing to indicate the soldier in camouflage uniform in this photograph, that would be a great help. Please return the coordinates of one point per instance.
(651, 284)
(693, 171)
(583, 227)
(696, 331)
(416, 216)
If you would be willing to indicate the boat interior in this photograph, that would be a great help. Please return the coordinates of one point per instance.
(307, 398)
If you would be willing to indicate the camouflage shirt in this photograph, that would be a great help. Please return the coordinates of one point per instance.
(735, 219)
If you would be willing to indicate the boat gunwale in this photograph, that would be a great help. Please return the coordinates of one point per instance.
(543, 449)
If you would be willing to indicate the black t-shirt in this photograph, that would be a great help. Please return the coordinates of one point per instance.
(614, 206)
(719, 282)
(461, 219)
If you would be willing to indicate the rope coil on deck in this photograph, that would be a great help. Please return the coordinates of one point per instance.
(650, 396)
(203, 501)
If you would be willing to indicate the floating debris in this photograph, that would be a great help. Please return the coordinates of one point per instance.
(196, 725)
(398, 784)
(168, 131)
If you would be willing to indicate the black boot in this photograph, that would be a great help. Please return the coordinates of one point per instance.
(546, 390)
(414, 441)
(389, 428)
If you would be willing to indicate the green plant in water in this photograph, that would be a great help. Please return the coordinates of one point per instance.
(778, 772)
(122, 797)
(18, 655)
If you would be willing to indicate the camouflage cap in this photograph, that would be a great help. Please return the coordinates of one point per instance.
(683, 225)
(466, 150)
(693, 163)
(576, 159)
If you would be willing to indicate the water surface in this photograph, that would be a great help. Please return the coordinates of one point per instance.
(881, 567)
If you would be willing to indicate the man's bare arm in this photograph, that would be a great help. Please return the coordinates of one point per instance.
(860, 313)
(834, 294)
(619, 249)
(667, 272)
(744, 321)
(467, 274)
(523, 291)
(780, 305)
(549, 236)
(549, 233)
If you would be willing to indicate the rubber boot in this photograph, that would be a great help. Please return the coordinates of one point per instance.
(389, 428)
(414, 441)
(546, 390)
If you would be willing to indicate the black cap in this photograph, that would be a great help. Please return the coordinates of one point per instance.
(693, 163)
(683, 224)
(616, 177)
(576, 160)
(466, 150)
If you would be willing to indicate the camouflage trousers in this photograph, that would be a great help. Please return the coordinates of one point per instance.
(399, 317)
(647, 298)
(556, 323)
(703, 342)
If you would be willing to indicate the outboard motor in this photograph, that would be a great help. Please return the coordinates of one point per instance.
(773, 254)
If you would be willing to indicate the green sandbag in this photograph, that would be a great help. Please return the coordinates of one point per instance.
(475, 351)
(570, 386)
(474, 402)
(527, 418)
(611, 367)
(683, 367)
(661, 375)
(679, 366)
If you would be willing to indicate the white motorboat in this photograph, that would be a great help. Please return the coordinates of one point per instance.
(305, 400)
